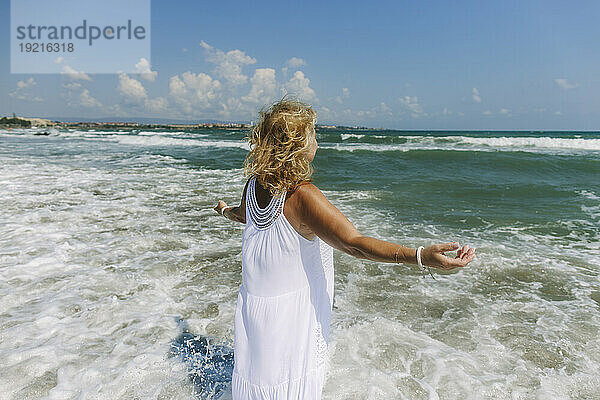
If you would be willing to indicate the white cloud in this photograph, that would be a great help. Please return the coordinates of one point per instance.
(193, 90)
(231, 107)
(345, 95)
(557, 113)
(384, 108)
(487, 112)
(115, 110)
(78, 96)
(228, 65)
(157, 105)
(75, 75)
(143, 68)
(264, 86)
(504, 111)
(25, 97)
(295, 63)
(563, 83)
(206, 46)
(445, 111)
(378, 111)
(325, 113)
(72, 85)
(23, 84)
(20, 92)
(134, 95)
(86, 100)
(411, 104)
(475, 94)
(299, 85)
(132, 90)
(58, 60)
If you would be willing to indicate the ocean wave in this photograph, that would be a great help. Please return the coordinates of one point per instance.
(168, 141)
(129, 248)
(79, 133)
(350, 141)
(591, 204)
(20, 131)
(538, 142)
(589, 195)
(163, 133)
(469, 143)
(345, 136)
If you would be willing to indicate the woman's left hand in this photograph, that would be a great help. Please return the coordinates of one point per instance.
(220, 206)
(435, 256)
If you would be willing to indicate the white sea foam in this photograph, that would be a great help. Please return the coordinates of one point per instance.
(345, 136)
(412, 142)
(92, 263)
(496, 328)
(591, 205)
(589, 195)
(468, 143)
(535, 142)
(97, 260)
(167, 133)
(19, 131)
(168, 141)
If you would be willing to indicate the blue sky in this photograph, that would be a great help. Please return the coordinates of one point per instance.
(401, 64)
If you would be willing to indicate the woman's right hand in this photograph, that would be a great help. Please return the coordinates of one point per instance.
(434, 256)
(220, 206)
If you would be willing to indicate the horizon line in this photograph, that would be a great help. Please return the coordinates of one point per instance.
(322, 126)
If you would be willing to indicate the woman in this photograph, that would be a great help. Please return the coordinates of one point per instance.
(284, 303)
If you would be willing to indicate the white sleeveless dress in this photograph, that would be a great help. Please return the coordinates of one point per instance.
(283, 308)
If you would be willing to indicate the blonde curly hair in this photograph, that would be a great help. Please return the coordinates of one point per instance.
(278, 143)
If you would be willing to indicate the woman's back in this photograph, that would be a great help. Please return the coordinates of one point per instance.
(276, 259)
(284, 307)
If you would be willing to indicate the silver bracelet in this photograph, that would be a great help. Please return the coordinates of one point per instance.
(423, 268)
(419, 257)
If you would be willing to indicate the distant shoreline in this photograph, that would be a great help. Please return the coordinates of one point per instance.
(23, 122)
(27, 122)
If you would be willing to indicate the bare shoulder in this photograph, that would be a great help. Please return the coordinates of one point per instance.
(313, 203)
(307, 192)
(323, 218)
(307, 197)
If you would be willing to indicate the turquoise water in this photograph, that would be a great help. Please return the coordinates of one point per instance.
(107, 238)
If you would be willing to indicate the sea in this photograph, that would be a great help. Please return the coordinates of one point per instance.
(118, 280)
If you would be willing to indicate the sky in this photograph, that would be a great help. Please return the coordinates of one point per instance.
(444, 65)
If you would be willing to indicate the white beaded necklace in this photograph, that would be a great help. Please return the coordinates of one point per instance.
(264, 217)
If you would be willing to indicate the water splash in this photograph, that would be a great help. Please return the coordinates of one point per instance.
(210, 365)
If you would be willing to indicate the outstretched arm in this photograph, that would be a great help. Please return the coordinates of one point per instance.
(238, 213)
(327, 222)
